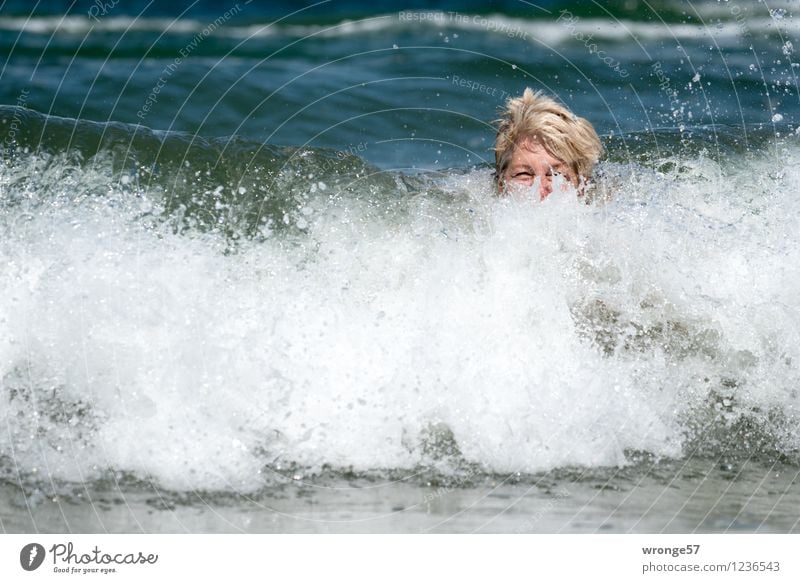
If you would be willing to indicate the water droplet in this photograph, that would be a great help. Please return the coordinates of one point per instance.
(696, 77)
(395, 46)
(777, 13)
(514, 67)
(777, 117)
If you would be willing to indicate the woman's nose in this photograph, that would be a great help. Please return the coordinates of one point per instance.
(546, 187)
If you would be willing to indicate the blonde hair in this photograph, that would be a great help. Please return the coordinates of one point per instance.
(569, 138)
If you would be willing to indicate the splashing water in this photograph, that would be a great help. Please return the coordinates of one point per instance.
(214, 322)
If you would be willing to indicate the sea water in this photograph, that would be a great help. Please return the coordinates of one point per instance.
(288, 278)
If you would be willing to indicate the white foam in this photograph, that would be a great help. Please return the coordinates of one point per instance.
(203, 370)
(548, 31)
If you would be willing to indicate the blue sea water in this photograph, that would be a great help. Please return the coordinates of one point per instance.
(252, 244)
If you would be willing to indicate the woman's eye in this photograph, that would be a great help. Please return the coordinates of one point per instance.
(523, 175)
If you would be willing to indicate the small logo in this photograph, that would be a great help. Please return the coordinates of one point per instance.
(31, 556)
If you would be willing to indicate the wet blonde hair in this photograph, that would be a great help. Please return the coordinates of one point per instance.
(569, 138)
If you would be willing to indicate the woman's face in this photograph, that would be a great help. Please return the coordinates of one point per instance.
(531, 160)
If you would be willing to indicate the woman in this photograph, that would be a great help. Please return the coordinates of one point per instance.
(538, 138)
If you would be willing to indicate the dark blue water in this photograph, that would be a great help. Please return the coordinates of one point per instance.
(417, 85)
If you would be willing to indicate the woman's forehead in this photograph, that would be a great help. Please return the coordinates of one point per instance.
(531, 149)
